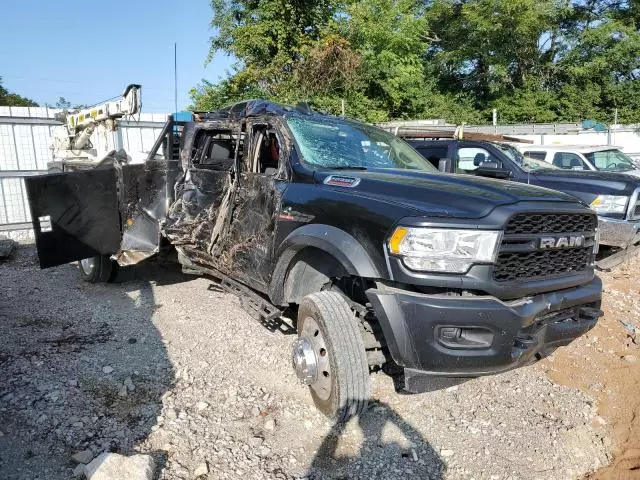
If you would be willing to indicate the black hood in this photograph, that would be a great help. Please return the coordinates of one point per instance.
(438, 194)
(586, 185)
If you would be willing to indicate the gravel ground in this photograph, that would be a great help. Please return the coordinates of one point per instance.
(159, 363)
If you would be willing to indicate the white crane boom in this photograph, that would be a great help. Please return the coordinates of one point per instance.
(71, 143)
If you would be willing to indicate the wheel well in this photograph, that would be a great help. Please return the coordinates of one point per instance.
(311, 270)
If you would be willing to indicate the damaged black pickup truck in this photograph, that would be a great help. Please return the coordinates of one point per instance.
(381, 258)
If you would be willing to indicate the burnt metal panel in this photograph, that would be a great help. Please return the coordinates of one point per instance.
(244, 248)
(145, 195)
(75, 215)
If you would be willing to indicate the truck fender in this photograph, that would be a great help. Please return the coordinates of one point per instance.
(337, 243)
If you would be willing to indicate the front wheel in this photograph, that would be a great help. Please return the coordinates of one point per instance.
(329, 356)
(97, 269)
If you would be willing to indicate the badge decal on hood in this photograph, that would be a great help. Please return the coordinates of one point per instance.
(341, 181)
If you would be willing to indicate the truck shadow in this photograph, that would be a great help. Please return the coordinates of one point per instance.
(82, 367)
(390, 448)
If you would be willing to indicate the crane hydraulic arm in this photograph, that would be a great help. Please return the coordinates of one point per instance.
(72, 141)
(80, 122)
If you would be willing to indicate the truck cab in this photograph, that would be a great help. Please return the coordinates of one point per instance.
(378, 258)
(614, 196)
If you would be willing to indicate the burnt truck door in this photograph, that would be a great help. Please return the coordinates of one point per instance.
(246, 247)
(197, 217)
(75, 215)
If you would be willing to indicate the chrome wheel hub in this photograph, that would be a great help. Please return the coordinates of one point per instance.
(311, 360)
(88, 264)
(304, 361)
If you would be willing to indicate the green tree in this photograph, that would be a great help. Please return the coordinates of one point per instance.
(533, 60)
(603, 66)
(392, 37)
(491, 46)
(266, 37)
(63, 103)
(9, 99)
(368, 53)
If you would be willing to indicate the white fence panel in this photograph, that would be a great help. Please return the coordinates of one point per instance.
(14, 196)
(8, 158)
(25, 140)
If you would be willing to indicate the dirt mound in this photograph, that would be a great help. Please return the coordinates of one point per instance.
(605, 364)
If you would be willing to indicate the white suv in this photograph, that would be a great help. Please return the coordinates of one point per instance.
(604, 158)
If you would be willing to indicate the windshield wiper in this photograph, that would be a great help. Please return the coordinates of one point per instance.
(347, 167)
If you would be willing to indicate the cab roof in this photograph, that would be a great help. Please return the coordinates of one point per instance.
(252, 108)
(568, 148)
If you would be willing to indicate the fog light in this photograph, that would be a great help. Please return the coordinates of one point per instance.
(465, 337)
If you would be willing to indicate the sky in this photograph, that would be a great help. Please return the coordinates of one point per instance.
(88, 51)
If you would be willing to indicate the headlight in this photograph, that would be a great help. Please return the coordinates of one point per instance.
(604, 204)
(442, 249)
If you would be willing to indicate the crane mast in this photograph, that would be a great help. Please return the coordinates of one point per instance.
(72, 147)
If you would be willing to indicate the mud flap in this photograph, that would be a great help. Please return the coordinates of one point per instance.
(75, 215)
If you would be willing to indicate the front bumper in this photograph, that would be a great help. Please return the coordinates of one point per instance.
(480, 335)
(617, 232)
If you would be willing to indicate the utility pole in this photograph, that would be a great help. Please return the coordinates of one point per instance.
(175, 76)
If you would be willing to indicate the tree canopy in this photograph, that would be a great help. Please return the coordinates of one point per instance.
(9, 99)
(532, 60)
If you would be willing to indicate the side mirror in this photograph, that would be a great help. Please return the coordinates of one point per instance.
(493, 170)
(444, 165)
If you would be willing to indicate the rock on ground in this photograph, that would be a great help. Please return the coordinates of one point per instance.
(7, 248)
(84, 456)
(111, 466)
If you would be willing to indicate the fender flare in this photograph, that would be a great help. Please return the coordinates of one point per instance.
(336, 242)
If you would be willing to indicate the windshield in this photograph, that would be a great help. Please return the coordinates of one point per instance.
(528, 164)
(612, 160)
(335, 143)
(531, 164)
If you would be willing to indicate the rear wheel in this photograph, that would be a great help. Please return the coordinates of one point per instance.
(329, 356)
(97, 269)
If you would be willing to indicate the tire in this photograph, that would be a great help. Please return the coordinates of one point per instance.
(342, 386)
(99, 269)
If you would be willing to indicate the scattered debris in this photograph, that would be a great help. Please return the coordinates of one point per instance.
(123, 391)
(630, 327)
(128, 383)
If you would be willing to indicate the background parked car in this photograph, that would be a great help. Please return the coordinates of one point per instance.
(614, 196)
(595, 158)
